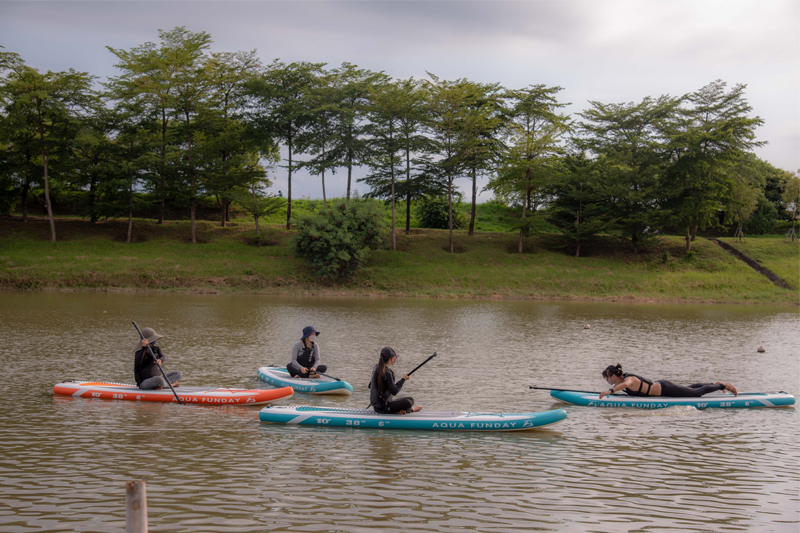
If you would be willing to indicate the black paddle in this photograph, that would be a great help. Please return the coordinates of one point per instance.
(422, 363)
(149, 349)
(318, 372)
(565, 390)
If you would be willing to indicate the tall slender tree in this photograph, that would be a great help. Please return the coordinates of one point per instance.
(278, 108)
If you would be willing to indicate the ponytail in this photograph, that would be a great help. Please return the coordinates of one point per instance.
(386, 355)
(613, 370)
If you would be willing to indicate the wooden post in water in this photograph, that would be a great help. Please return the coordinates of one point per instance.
(135, 507)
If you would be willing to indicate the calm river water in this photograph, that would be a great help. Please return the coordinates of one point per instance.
(63, 461)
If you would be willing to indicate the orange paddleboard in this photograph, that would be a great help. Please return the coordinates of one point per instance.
(191, 395)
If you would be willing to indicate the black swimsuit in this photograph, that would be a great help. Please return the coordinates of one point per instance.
(642, 381)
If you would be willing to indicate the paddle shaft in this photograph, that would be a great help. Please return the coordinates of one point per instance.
(149, 349)
(422, 363)
(565, 390)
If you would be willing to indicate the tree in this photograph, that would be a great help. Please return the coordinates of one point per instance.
(704, 141)
(229, 134)
(578, 209)
(348, 146)
(50, 106)
(278, 108)
(406, 178)
(630, 137)
(155, 72)
(742, 197)
(534, 142)
(791, 198)
(322, 108)
(449, 122)
(256, 201)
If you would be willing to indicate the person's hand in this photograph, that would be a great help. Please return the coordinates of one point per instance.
(303, 370)
(406, 377)
(145, 342)
(312, 369)
(158, 361)
(604, 393)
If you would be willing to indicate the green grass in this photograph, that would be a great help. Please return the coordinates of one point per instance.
(775, 253)
(96, 257)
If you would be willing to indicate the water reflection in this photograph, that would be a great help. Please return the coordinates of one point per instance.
(64, 461)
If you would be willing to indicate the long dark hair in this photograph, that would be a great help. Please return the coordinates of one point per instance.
(386, 355)
(613, 370)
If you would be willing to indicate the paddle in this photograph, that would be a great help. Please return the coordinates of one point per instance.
(317, 371)
(149, 349)
(564, 390)
(422, 363)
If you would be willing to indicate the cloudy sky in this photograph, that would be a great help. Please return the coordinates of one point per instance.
(603, 50)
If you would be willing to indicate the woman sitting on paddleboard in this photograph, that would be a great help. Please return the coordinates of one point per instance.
(145, 370)
(382, 387)
(305, 356)
(638, 386)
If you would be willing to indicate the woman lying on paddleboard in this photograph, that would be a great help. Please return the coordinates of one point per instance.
(382, 387)
(305, 356)
(638, 386)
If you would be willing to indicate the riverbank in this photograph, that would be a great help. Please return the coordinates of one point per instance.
(96, 257)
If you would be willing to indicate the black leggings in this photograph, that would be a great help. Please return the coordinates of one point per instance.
(400, 404)
(692, 391)
(297, 374)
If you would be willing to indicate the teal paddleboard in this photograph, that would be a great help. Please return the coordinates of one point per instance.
(280, 377)
(719, 400)
(424, 420)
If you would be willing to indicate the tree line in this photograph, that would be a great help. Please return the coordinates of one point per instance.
(185, 124)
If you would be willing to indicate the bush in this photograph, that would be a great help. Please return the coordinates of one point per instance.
(337, 240)
(434, 213)
(763, 220)
(8, 200)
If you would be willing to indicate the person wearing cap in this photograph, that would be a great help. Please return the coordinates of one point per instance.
(145, 370)
(382, 387)
(305, 356)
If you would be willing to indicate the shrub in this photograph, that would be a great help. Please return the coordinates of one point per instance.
(763, 220)
(337, 240)
(434, 213)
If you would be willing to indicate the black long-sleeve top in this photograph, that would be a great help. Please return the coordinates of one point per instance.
(144, 366)
(388, 386)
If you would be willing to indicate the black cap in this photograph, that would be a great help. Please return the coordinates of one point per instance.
(387, 353)
(308, 330)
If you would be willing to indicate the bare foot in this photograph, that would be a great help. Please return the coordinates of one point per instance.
(416, 408)
(314, 376)
(176, 384)
(731, 388)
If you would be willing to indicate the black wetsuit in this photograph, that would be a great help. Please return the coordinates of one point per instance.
(382, 402)
(671, 389)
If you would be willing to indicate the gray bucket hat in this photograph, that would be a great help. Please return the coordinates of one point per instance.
(149, 334)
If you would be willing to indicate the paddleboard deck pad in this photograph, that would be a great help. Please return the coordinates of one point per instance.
(716, 400)
(280, 377)
(191, 395)
(424, 420)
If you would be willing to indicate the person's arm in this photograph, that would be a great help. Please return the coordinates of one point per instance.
(391, 386)
(627, 382)
(160, 357)
(315, 364)
(294, 362)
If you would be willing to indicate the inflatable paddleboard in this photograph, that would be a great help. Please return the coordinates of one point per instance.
(280, 377)
(744, 400)
(192, 395)
(426, 420)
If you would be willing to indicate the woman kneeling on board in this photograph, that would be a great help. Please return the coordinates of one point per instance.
(305, 356)
(145, 370)
(638, 386)
(382, 387)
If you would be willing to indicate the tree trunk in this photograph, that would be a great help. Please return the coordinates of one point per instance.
(163, 165)
(47, 197)
(524, 206)
(255, 208)
(130, 212)
(474, 201)
(408, 212)
(289, 191)
(222, 210)
(25, 189)
(688, 239)
(578, 250)
(394, 233)
(324, 198)
(694, 232)
(92, 215)
(349, 171)
(192, 183)
(450, 211)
